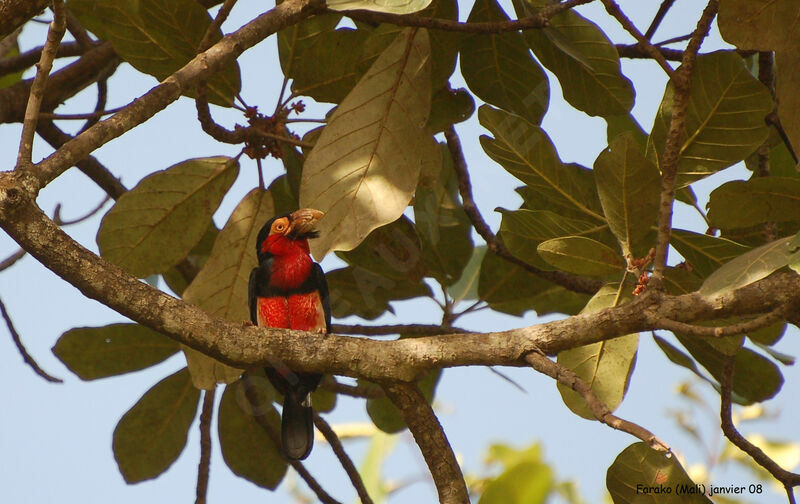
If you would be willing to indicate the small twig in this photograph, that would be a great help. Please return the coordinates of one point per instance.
(88, 115)
(275, 437)
(10, 260)
(282, 138)
(565, 280)
(568, 378)
(344, 458)
(362, 390)
(222, 15)
(662, 11)
(788, 479)
(78, 32)
(205, 446)
(613, 9)
(635, 51)
(30, 57)
(25, 355)
(260, 168)
(215, 130)
(431, 439)
(54, 34)
(773, 119)
(673, 40)
(540, 20)
(672, 146)
(722, 331)
(100, 104)
(61, 222)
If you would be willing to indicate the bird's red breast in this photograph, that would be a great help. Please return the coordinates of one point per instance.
(303, 312)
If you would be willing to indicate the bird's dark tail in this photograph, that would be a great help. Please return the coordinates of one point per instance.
(297, 425)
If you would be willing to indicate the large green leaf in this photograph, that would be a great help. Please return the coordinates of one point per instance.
(392, 6)
(157, 38)
(176, 277)
(642, 475)
(705, 253)
(450, 106)
(581, 255)
(742, 203)
(466, 288)
(10, 79)
(220, 287)
(98, 352)
(584, 60)
(508, 288)
(756, 378)
(724, 121)
(761, 25)
(629, 189)
(525, 151)
(351, 174)
(528, 482)
(246, 448)
(605, 366)
(385, 415)
(500, 70)
(523, 230)
(751, 267)
(157, 223)
(152, 434)
(442, 225)
(357, 291)
(393, 251)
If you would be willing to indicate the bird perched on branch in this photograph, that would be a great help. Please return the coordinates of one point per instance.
(288, 290)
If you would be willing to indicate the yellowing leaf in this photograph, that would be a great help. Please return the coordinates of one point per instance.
(152, 434)
(220, 287)
(750, 267)
(605, 366)
(157, 223)
(365, 165)
(392, 6)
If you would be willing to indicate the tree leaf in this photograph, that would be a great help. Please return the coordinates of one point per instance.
(357, 291)
(197, 257)
(466, 287)
(755, 379)
(220, 287)
(629, 189)
(703, 252)
(392, 6)
(99, 352)
(524, 483)
(500, 70)
(157, 223)
(640, 471)
(444, 229)
(678, 357)
(365, 180)
(523, 230)
(10, 79)
(605, 366)
(246, 448)
(393, 251)
(526, 152)
(580, 255)
(761, 25)
(152, 434)
(724, 121)
(741, 203)
(450, 106)
(157, 38)
(385, 415)
(584, 60)
(750, 267)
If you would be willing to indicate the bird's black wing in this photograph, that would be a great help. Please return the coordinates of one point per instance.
(251, 296)
(324, 295)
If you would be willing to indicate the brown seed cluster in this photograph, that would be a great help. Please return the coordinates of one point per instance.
(639, 264)
(261, 140)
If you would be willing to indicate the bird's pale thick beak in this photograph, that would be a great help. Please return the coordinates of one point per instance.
(303, 221)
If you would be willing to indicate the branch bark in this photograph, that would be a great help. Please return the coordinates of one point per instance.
(431, 439)
(14, 13)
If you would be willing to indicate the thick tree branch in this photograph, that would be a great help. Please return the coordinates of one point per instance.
(205, 446)
(14, 13)
(571, 282)
(375, 360)
(675, 137)
(431, 439)
(25, 355)
(54, 34)
(171, 88)
(344, 458)
(387, 330)
(757, 323)
(564, 376)
(788, 479)
(540, 20)
(635, 51)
